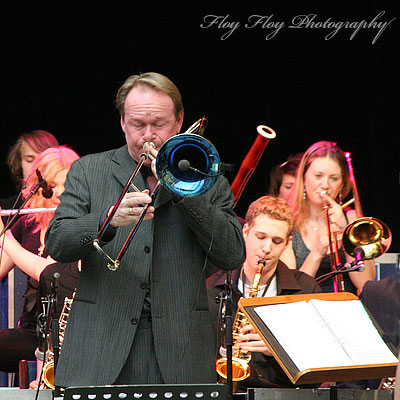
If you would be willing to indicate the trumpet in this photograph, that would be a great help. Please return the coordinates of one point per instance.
(187, 164)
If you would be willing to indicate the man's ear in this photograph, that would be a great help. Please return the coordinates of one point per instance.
(122, 123)
(179, 121)
(289, 239)
(245, 229)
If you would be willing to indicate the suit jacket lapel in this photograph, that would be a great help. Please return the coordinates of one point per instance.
(124, 165)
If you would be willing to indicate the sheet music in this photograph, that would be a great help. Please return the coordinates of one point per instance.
(350, 322)
(304, 335)
(313, 341)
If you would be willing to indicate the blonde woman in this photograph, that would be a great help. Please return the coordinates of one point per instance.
(23, 246)
(322, 181)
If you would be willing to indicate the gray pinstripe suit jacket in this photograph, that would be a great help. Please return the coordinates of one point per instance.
(167, 253)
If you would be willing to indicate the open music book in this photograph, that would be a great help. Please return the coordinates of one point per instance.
(320, 334)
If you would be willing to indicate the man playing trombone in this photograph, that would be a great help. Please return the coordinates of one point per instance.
(144, 319)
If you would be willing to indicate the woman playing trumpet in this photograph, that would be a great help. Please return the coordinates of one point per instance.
(321, 183)
(23, 246)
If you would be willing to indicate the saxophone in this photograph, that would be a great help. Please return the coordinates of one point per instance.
(240, 358)
(47, 381)
(388, 383)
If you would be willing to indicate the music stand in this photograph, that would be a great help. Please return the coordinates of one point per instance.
(148, 392)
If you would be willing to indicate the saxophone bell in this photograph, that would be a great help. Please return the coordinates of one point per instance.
(48, 375)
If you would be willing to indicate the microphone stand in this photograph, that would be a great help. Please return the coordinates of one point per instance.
(228, 332)
(12, 219)
(347, 267)
(55, 327)
(43, 331)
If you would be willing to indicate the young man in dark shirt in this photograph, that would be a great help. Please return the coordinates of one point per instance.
(267, 232)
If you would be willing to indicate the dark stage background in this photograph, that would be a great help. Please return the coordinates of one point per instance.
(62, 65)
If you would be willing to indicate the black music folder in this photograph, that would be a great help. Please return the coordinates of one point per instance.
(322, 337)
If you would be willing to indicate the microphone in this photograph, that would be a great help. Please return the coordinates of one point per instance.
(184, 166)
(358, 259)
(47, 191)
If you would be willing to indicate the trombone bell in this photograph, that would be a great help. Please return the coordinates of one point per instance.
(371, 234)
(200, 168)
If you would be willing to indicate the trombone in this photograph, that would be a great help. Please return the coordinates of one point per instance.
(364, 239)
(338, 283)
(370, 234)
(187, 164)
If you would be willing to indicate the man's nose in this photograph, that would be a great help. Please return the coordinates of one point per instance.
(267, 246)
(148, 134)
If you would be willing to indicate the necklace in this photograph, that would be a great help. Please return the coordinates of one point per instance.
(312, 226)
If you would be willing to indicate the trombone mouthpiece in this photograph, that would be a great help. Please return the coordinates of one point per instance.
(151, 144)
(325, 202)
(147, 153)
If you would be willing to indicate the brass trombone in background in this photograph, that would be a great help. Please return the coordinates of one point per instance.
(365, 238)
(187, 164)
(369, 234)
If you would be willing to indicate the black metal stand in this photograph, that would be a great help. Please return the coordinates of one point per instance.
(148, 392)
(43, 328)
(55, 336)
(333, 393)
(359, 266)
(356, 265)
(228, 332)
